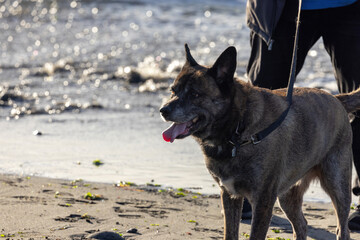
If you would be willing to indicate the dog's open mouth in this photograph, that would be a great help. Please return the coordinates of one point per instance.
(180, 130)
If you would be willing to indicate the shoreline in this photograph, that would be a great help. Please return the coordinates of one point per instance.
(71, 142)
(44, 208)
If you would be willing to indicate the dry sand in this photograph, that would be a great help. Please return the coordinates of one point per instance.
(42, 208)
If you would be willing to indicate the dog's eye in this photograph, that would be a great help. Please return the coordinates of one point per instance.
(172, 91)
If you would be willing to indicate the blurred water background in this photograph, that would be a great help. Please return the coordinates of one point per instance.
(83, 80)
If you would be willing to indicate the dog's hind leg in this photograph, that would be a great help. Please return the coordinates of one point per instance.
(335, 178)
(232, 208)
(291, 203)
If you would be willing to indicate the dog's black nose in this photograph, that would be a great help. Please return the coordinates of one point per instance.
(165, 111)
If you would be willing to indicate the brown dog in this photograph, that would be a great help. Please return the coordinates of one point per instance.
(314, 141)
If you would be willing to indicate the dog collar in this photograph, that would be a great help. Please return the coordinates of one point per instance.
(254, 139)
(257, 137)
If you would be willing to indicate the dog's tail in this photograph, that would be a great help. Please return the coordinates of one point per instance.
(351, 101)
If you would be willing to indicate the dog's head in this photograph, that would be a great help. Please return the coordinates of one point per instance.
(200, 97)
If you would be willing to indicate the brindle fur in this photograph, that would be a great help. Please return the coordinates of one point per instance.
(314, 141)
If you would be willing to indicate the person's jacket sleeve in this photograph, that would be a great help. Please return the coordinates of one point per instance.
(263, 15)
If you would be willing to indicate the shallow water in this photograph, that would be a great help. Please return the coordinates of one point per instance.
(128, 143)
(91, 75)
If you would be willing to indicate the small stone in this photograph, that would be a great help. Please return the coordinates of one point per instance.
(132, 230)
(37, 133)
(105, 236)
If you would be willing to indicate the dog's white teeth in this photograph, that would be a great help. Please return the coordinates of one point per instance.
(195, 119)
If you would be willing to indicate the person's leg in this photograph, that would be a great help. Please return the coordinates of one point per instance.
(341, 35)
(271, 68)
(342, 41)
(246, 210)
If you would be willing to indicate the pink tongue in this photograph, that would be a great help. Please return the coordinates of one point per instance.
(173, 131)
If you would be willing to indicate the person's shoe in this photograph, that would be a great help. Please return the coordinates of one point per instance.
(354, 219)
(246, 211)
(356, 187)
(356, 190)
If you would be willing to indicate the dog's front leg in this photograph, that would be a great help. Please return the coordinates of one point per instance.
(232, 208)
(262, 213)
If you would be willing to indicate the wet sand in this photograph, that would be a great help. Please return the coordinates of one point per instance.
(43, 208)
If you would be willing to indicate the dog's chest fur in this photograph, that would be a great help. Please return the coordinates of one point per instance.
(229, 185)
(235, 174)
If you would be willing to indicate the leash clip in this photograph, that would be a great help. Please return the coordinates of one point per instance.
(254, 139)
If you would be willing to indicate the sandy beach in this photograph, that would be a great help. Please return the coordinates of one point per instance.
(43, 208)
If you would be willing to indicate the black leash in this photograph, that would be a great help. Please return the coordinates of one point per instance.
(258, 137)
(293, 61)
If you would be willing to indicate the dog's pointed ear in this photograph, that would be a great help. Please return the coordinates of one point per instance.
(224, 68)
(189, 59)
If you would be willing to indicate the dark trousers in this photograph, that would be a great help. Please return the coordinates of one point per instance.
(340, 30)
